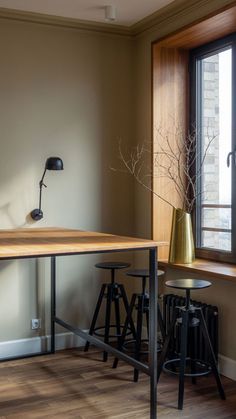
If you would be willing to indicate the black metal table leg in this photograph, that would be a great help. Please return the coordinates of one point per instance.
(153, 323)
(139, 333)
(153, 287)
(117, 314)
(53, 302)
(147, 318)
(161, 323)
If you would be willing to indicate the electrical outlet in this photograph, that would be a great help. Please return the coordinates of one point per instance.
(35, 324)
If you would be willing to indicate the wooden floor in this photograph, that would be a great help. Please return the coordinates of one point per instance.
(72, 384)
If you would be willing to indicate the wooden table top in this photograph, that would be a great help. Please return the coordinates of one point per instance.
(33, 242)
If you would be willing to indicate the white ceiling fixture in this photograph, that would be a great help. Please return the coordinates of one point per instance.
(122, 12)
(110, 12)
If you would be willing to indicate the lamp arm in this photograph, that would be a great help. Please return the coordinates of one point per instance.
(52, 163)
(41, 184)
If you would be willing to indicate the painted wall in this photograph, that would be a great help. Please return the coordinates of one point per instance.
(67, 93)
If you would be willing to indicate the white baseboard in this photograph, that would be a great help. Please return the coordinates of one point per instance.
(20, 347)
(29, 346)
(227, 367)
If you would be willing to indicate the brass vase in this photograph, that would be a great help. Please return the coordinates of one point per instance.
(181, 241)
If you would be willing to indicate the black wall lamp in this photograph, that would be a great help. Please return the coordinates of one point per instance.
(52, 163)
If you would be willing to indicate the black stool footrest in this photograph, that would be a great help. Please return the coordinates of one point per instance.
(112, 326)
(144, 342)
(201, 367)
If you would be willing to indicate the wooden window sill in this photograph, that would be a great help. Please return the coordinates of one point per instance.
(207, 268)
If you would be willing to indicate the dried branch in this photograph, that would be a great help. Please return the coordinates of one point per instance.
(174, 160)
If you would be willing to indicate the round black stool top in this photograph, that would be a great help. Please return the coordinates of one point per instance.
(112, 265)
(188, 284)
(141, 273)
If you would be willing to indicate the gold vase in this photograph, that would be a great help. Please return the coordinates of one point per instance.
(181, 241)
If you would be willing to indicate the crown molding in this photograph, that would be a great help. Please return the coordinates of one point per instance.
(82, 25)
(178, 10)
(159, 16)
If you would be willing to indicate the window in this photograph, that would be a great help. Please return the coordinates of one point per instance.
(212, 89)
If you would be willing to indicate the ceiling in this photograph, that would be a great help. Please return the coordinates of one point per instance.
(128, 12)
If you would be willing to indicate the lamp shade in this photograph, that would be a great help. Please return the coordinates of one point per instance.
(54, 163)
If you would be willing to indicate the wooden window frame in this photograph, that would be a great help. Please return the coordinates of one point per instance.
(170, 62)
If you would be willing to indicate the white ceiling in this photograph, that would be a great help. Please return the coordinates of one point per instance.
(128, 12)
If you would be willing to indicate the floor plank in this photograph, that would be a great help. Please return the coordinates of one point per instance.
(74, 384)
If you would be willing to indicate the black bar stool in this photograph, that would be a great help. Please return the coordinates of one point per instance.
(188, 317)
(112, 292)
(140, 302)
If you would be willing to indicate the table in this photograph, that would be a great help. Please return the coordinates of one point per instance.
(54, 242)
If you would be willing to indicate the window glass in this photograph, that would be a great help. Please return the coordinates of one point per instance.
(214, 92)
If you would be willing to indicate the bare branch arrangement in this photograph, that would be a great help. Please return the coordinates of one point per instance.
(174, 160)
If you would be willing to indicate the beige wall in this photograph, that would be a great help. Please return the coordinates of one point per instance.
(67, 93)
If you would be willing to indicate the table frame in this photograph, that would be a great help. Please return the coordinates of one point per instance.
(150, 369)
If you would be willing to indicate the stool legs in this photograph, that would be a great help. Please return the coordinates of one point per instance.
(192, 353)
(95, 316)
(128, 321)
(142, 308)
(212, 356)
(166, 345)
(108, 318)
(161, 323)
(114, 293)
(183, 354)
(137, 334)
(141, 302)
(127, 308)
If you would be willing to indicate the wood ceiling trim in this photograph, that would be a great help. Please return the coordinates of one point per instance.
(204, 31)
